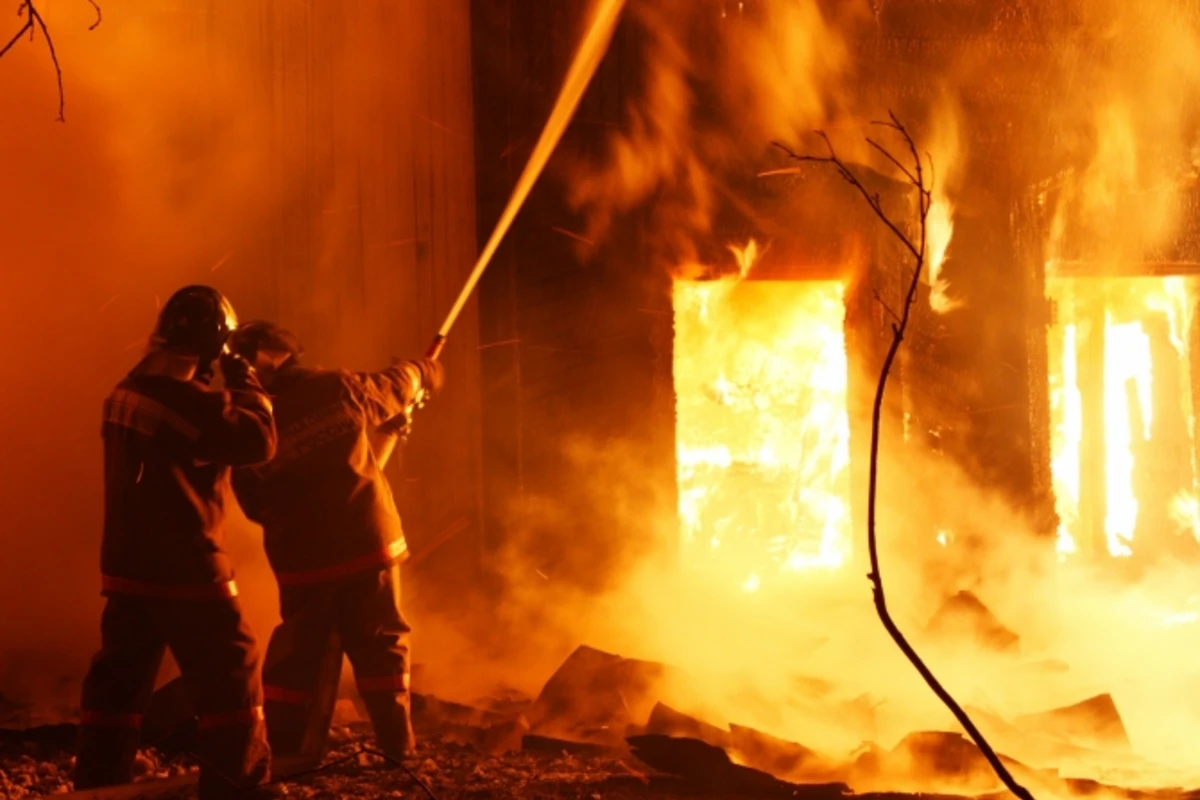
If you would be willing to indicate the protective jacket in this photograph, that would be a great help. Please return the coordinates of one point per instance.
(326, 509)
(168, 449)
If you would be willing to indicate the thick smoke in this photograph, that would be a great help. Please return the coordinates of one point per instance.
(710, 104)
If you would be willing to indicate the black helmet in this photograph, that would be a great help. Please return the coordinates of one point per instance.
(251, 337)
(196, 321)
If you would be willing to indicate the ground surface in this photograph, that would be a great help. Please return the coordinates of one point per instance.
(449, 770)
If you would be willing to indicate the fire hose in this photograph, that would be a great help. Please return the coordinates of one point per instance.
(583, 67)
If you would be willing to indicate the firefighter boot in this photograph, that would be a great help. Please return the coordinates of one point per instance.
(391, 717)
(105, 757)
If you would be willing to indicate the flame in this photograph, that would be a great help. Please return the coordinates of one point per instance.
(946, 160)
(745, 256)
(762, 429)
(1066, 437)
(1126, 367)
(1126, 313)
(1185, 511)
(939, 232)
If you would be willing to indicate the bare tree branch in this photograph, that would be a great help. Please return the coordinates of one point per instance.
(886, 154)
(883, 303)
(28, 26)
(916, 177)
(34, 22)
(99, 15)
(848, 176)
(62, 96)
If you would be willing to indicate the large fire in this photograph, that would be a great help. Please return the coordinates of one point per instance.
(1123, 436)
(762, 429)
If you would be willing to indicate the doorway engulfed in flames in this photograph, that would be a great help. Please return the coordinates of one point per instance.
(762, 429)
(1122, 372)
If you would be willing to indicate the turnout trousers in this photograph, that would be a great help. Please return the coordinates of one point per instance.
(218, 658)
(360, 617)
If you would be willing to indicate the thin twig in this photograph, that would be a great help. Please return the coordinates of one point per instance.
(62, 96)
(916, 177)
(879, 299)
(884, 151)
(35, 22)
(99, 15)
(848, 176)
(26, 27)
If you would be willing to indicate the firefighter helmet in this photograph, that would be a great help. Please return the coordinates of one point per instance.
(258, 335)
(196, 321)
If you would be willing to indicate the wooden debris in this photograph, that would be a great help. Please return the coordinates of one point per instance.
(710, 767)
(506, 701)
(964, 617)
(504, 737)
(595, 696)
(666, 721)
(533, 743)
(178, 786)
(1094, 723)
(781, 758)
(940, 761)
(434, 711)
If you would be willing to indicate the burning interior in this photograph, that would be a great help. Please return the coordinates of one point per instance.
(655, 438)
(1123, 415)
(763, 434)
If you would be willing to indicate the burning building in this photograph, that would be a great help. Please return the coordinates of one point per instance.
(667, 389)
(682, 336)
(1002, 344)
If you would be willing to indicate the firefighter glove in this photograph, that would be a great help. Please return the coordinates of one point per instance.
(236, 370)
(433, 375)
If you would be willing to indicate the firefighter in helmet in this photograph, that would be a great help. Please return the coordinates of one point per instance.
(334, 540)
(169, 444)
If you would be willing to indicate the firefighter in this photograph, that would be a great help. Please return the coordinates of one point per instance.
(169, 444)
(334, 540)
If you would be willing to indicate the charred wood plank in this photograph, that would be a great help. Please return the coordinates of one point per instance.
(596, 696)
(779, 757)
(533, 743)
(178, 786)
(1093, 723)
(965, 616)
(435, 710)
(705, 765)
(666, 721)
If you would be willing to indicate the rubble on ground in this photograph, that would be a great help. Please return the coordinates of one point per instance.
(600, 728)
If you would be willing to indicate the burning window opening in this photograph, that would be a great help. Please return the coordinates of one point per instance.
(762, 430)
(1122, 404)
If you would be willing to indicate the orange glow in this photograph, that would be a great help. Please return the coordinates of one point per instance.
(762, 429)
(1132, 393)
(940, 232)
